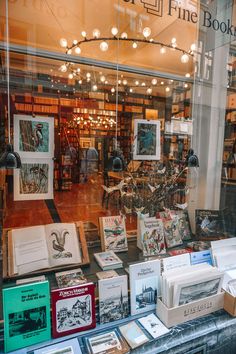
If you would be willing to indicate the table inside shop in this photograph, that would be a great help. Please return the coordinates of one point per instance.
(214, 333)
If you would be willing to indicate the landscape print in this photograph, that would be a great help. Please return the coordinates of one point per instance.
(33, 136)
(146, 293)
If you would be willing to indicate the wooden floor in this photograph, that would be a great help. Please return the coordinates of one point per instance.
(82, 203)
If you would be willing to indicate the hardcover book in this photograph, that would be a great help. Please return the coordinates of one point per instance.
(183, 223)
(144, 286)
(70, 278)
(106, 274)
(108, 260)
(153, 325)
(70, 346)
(73, 309)
(113, 299)
(172, 234)
(133, 334)
(109, 342)
(43, 246)
(26, 312)
(113, 233)
(209, 224)
(152, 235)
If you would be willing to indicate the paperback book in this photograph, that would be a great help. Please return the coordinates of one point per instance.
(73, 309)
(113, 233)
(183, 223)
(144, 286)
(108, 260)
(70, 278)
(109, 342)
(44, 246)
(113, 299)
(133, 334)
(152, 235)
(172, 235)
(106, 274)
(209, 224)
(26, 312)
(70, 346)
(153, 325)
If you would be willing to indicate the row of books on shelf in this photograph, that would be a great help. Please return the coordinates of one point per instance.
(177, 280)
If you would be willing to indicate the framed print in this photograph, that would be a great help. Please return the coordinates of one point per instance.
(34, 136)
(34, 180)
(147, 139)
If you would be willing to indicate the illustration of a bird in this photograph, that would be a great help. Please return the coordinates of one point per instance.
(59, 243)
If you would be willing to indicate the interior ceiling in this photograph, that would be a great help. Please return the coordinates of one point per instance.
(41, 24)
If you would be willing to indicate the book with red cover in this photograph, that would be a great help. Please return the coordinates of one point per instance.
(73, 309)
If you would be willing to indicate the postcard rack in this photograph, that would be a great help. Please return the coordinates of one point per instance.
(7, 254)
(180, 314)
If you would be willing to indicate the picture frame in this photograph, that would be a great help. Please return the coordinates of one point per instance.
(34, 136)
(34, 180)
(146, 140)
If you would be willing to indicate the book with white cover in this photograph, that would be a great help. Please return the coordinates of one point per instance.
(224, 253)
(133, 334)
(153, 325)
(30, 280)
(113, 233)
(44, 246)
(113, 298)
(108, 260)
(144, 286)
(70, 278)
(152, 236)
(181, 261)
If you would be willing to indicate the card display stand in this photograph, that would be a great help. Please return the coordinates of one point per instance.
(180, 314)
(7, 251)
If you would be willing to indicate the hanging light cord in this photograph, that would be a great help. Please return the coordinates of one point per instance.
(117, 75)
(8, 75)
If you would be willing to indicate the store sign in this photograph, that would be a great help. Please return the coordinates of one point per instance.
(174, 8)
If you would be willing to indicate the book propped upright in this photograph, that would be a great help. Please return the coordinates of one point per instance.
(44, 246)
(113, 233)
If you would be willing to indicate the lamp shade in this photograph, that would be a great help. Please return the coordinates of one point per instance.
(10, 159)
(192, 159)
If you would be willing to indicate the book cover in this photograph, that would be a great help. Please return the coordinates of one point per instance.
(172, 234)
(106, 274)
(109, 342)
(113, 233)
(144, 286)
(73, 309)
(152, 235)
(26, 312)
(201, 257)
(133, 334)
(179, 251)
(153, 325)
(70, 346)
(108, 260)
(113, 299)
(209, 224)
(183, 223)
(70, 278)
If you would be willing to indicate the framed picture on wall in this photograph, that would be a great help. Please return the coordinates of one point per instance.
(34, 136)
(34, 180)
(146, 139)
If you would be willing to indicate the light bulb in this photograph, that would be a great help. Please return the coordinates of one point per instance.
(184, 58)
(154, 81)
(88, 75)
(143, 84)
(69, 51)
(193, 47)
(136, 82)
(167, 89)
(119, 82)
(134, 45)
(83, 34)
(185, 85)
(63, 42)
(63, 68)
(94, 87)
(124, 35)
(102, 78)
(114, 31)
(77, 50)
(75, 41)
(125, 82)
(149, 91)
(173, 40)
(70, 76)
(187, 75)
(146, 32)
(104, 46)
(162, 50)
(106, 82)
(78, 70)
(112, 89)
(131, 90)
(162, 82)
(80, 82)
(96, 33)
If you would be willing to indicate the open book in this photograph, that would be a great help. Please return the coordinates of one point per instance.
(44, 246)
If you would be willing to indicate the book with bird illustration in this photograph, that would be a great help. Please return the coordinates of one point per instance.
(113, 233)
(44, 246)
(209, 224)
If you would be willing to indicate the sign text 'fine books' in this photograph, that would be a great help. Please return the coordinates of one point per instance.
(26, 311)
